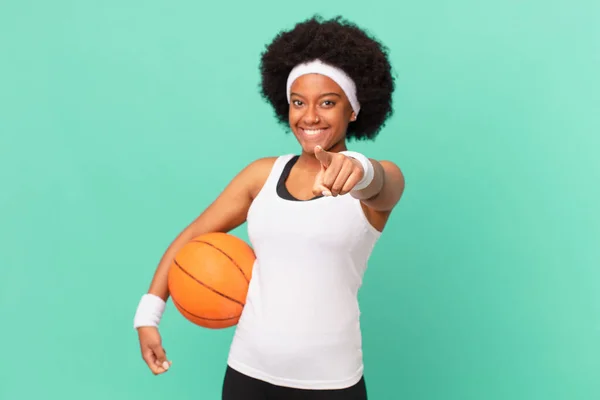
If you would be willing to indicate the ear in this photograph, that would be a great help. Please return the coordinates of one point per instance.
(352, 117)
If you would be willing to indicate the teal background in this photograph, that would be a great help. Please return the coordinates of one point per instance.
(121, 121)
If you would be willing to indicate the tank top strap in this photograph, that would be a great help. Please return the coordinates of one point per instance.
(278, 168)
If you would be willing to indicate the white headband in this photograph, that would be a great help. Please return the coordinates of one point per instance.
(336, 74)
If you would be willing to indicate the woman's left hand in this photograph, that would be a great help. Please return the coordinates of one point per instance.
(338, 175)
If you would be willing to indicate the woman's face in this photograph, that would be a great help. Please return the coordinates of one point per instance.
(319, 112)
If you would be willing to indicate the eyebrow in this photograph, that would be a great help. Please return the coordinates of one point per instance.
(323, 95)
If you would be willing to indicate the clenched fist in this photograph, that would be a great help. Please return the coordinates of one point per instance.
(152, 351)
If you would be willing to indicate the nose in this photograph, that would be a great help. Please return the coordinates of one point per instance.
(311, 116)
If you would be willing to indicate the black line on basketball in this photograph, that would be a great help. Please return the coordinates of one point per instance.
(206, 286)
(226, 255)
(198, 316)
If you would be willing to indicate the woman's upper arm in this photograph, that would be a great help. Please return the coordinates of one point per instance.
(379, 207)
(230, 208)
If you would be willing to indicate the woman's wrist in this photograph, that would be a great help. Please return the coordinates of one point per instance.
(149, 311)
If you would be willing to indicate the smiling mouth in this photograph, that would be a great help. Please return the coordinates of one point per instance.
(313, 132)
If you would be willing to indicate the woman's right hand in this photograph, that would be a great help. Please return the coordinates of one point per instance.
(152, 351)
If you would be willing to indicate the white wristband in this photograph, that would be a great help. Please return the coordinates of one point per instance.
(149, 311)
(369, 171)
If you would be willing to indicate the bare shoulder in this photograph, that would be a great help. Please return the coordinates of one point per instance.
(393, 169)
(231, 206)
(379, 207)
(394, 178)
(257, 173)
(262, 165)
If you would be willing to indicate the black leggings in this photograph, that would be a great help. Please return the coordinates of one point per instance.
(237, 386)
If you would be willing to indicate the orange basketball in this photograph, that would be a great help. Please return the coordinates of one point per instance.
(209, 277)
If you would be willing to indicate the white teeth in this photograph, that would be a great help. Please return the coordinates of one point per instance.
(313, 131)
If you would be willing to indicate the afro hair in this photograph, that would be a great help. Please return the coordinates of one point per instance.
(340, 43)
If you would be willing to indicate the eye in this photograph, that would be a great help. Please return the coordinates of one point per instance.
(328, 103)
(297, 103)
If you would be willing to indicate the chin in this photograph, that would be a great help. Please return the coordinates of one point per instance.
(310, 139)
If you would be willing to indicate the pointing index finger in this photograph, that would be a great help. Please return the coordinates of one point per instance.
(323, 156)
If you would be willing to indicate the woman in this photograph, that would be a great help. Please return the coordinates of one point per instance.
(313, 220)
